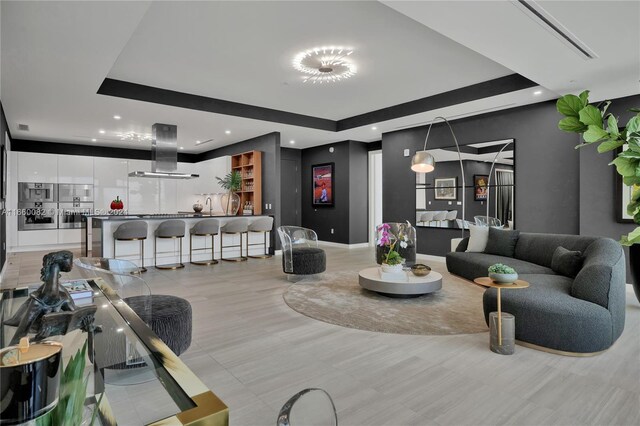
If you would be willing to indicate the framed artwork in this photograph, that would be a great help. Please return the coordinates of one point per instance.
(480, 187)
(623, 196)
(323, 184)
(446, 188)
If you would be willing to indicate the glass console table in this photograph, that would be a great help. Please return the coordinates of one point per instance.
(141, 381)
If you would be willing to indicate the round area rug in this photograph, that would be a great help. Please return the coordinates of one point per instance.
(338, 299)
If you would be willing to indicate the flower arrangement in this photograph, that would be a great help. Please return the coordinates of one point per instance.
(390, 241)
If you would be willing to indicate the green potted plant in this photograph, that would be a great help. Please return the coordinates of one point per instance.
(232, 182)
(70, 409)
(599, 127)
(502, 274)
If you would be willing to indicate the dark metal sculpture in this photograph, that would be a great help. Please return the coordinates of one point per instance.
(50, 310)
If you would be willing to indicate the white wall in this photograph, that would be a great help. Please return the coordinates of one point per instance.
(110, 179)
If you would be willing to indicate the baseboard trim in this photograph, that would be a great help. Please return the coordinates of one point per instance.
(342, 245)
(55, 247)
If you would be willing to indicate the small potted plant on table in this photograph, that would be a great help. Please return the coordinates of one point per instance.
(502, 274)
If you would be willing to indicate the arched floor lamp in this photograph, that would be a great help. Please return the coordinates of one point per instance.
(423, 162)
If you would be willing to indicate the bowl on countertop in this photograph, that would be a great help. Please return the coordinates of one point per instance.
(420, 270)
(503, 278)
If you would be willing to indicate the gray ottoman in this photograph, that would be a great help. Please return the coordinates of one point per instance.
(307, 261)
(170, 318)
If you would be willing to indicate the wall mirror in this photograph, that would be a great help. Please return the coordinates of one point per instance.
(489, 169)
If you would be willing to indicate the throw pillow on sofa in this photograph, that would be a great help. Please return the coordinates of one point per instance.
(502, 242)
(566, 262)
(478, 236)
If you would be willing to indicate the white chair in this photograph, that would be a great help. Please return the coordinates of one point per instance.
(427, 217)
(309, 407)
(300, 252)
(487, 221)
(452, 215)
(439, 217)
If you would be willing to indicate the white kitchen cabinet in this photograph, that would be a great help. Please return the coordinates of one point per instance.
(69, 236)
(144, 193)
(36, 167)
(44, 237)
(75, 169)
(110, 180)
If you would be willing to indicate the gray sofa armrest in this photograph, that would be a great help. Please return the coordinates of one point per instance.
(462, 246)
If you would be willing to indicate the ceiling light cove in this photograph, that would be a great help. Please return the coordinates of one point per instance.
(325, 64)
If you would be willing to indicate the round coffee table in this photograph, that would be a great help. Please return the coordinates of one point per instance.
(407, 285)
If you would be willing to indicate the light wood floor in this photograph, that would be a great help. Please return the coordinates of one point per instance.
(255, 352)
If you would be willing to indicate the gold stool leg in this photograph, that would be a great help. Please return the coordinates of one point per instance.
(142, 268)
(259, 256)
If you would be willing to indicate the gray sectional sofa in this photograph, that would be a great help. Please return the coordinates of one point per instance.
(582, 315)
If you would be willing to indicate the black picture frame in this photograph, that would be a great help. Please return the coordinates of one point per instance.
(445, 192)
(478, 195)
(323, 185)
(620, 187)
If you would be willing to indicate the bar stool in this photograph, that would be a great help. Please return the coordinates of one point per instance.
(135, 230)
(238, 227)
(203, 228)
(260, 226)
(173, 229)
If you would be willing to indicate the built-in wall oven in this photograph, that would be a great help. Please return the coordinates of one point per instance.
(74, 200)
(38, 205)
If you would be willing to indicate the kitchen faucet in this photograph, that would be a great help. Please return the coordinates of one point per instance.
(208, 201)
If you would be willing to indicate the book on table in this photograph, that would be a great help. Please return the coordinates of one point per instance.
(78, 289)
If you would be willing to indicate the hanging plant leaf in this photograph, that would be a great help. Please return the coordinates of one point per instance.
(570, 105)
(591, 116)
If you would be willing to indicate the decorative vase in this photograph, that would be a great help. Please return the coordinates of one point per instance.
(634, 261)
(503, 278)
(197, 208)
(392, 269)
(230, 206)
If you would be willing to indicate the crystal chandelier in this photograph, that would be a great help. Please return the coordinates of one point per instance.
(325, 64)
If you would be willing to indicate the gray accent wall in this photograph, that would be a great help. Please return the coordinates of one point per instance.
(547, 197)
(598, 185)
(290, 189)
(269, 144)
(348, 216)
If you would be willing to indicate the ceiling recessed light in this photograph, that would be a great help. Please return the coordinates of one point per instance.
(228, 132)
(198, 142)
(116, 117)
(538, 92)
(292, 141)
(102, 132)
(94, 140)
(182, 147)
(374, 128)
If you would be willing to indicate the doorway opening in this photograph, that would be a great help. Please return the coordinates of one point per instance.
(375, 193)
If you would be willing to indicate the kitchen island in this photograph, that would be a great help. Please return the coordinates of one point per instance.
(97, 239)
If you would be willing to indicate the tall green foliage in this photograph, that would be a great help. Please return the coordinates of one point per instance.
(73, 392)
(597, 126)
(232, 181)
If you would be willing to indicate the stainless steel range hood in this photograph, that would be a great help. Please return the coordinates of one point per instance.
(164, 154)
